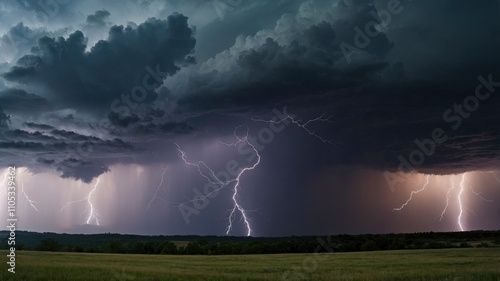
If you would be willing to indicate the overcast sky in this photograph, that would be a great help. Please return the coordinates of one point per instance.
(251, 117)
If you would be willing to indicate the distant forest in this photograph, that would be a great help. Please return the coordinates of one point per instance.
(216, 245)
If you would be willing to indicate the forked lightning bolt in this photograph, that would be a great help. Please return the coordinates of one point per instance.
(158, 190)
(93, 215)
(303, 125)
(237, 206)
(206, 172)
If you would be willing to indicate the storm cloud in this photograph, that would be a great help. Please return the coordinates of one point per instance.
(107, 87)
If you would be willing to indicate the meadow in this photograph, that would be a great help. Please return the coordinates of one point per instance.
(443, 264)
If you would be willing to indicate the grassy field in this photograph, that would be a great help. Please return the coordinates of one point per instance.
(449, 264)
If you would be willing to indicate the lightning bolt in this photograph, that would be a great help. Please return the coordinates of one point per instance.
(303, 125)
(453, 187)
(464, 184)
(460, 204)
(157, 190)
(477, 193)
(206, 172)
(237, 206)
(201, 166)
(413, 193)
(31, 202)
(92, 213)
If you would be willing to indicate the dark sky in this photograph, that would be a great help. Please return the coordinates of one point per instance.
(307, 117)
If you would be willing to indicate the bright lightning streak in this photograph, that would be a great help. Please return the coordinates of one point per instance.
(157, 190)
(453, 187)
(206, 172)
(464, 184)
(303, 125)
(237, 206)
(460, 204)
(92, 213)
(200, 165)
(31, 202)
(413, 193)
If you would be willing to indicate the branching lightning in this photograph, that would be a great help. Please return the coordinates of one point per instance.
(237, 205)
(304, 125)
(158, 190)
(211, 177)
(460, 196)
(93, 214)
(206, 172)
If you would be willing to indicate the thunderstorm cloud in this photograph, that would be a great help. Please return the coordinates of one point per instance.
(409, 86)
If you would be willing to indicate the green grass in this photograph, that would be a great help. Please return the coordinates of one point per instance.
(449, 264)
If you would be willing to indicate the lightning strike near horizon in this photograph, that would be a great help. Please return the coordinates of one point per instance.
(303, 125)
(460, 205)
(206, 172)
(237, 205)
(92, 212)
(157, 190)
(460, 196)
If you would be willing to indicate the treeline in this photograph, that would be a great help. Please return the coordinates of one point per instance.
(212, 245)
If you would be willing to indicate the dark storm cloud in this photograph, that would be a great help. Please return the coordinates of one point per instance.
(386, 95)
(98, 18)
(382, 105)
(20, 38)
(4, 119)
(35, 126)
(310, 62)
(111, 68)
(62, 151)
(15, 100)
